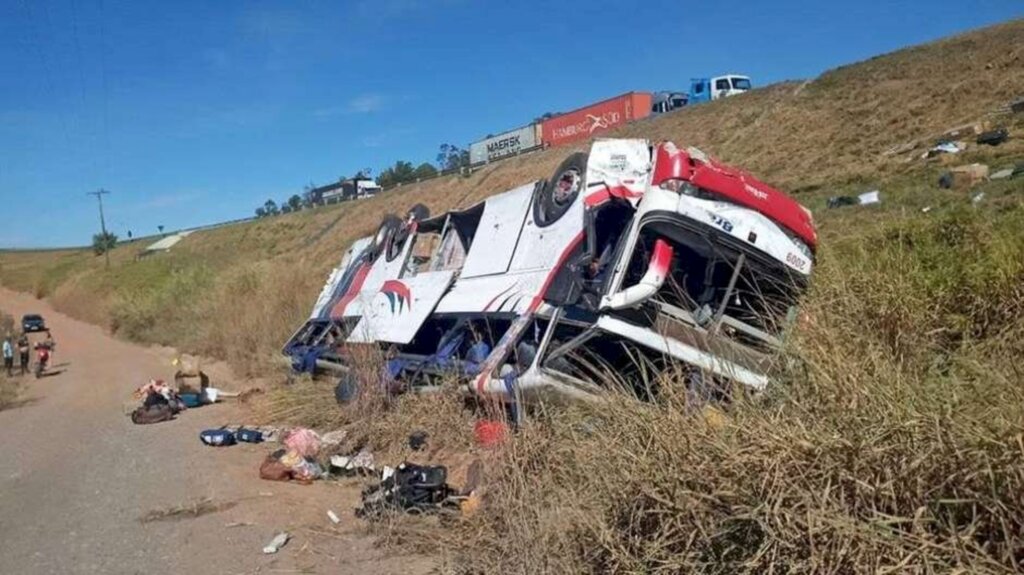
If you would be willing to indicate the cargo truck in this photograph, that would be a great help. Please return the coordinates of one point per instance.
(701, 90)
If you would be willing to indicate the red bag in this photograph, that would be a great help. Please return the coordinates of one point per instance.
(273, 470)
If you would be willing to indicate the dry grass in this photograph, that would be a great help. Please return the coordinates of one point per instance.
(375, 420)
(894, 443)
(9, 389)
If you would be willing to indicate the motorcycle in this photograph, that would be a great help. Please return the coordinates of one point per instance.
(42, 358)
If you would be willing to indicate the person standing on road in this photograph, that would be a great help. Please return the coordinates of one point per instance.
(23, 351)
(8, 352)
(50, 344)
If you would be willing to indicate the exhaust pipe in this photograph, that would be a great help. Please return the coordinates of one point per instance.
(648, 285)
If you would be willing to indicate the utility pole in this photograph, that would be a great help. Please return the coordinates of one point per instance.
(103, 224)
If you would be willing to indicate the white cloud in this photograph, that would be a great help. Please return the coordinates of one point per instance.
(366, 103)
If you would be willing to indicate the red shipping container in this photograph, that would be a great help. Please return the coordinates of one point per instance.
(586, 122)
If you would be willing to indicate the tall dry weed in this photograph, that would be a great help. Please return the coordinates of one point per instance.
(892, 443)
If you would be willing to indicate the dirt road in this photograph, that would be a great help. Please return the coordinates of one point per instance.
(83, 490)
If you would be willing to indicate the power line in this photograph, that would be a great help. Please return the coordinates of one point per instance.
(103, 224)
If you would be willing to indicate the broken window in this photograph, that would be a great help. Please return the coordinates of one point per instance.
(605, 231)
(720, 288)
(423, 251)
(451, 254)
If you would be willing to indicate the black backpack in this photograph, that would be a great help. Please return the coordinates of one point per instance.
(153, 414)
(412, 488)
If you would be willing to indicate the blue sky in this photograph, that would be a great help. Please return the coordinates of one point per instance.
(193, 112)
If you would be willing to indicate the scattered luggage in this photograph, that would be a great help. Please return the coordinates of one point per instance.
(287, 465)
(249, 435)
(153, 414)
(358, 464)
(963, 177)
(303, 441)
(217, 437)
(994, 137)
(410, 488)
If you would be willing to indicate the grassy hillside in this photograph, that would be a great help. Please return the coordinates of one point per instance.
(894, 441)
(814, 138)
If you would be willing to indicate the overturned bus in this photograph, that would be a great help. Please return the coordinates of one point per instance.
(631, 255)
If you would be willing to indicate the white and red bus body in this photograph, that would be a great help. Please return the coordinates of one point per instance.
(631, 257)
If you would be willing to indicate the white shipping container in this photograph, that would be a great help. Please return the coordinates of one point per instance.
(505, 144)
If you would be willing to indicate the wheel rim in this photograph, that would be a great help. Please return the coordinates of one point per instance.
(566, 186)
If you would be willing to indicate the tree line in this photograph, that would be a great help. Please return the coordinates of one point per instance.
(450, 158)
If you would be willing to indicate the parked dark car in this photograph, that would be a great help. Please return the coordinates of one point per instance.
(32, 322)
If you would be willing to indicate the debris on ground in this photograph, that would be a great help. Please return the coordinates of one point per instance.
(418, 440)
(333, 517)
(1002, 174)
(489, 433)
(840, 201)
(944, 147)
(159, 403)
(471, 504)
(217, 437)
(249, 435)
(976, 199)
(993, 137)
(153, 414)
(288, 465)
(963, 177)
(304, 442)
(409, 488)
(333, 438)
(867, 198)
(276, 543)
(266, 432)
(360, 463)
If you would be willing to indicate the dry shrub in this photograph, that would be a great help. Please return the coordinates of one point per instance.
(892, 442)
(8, 387)
(6, 325)
(376, 420)
(251, 311)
